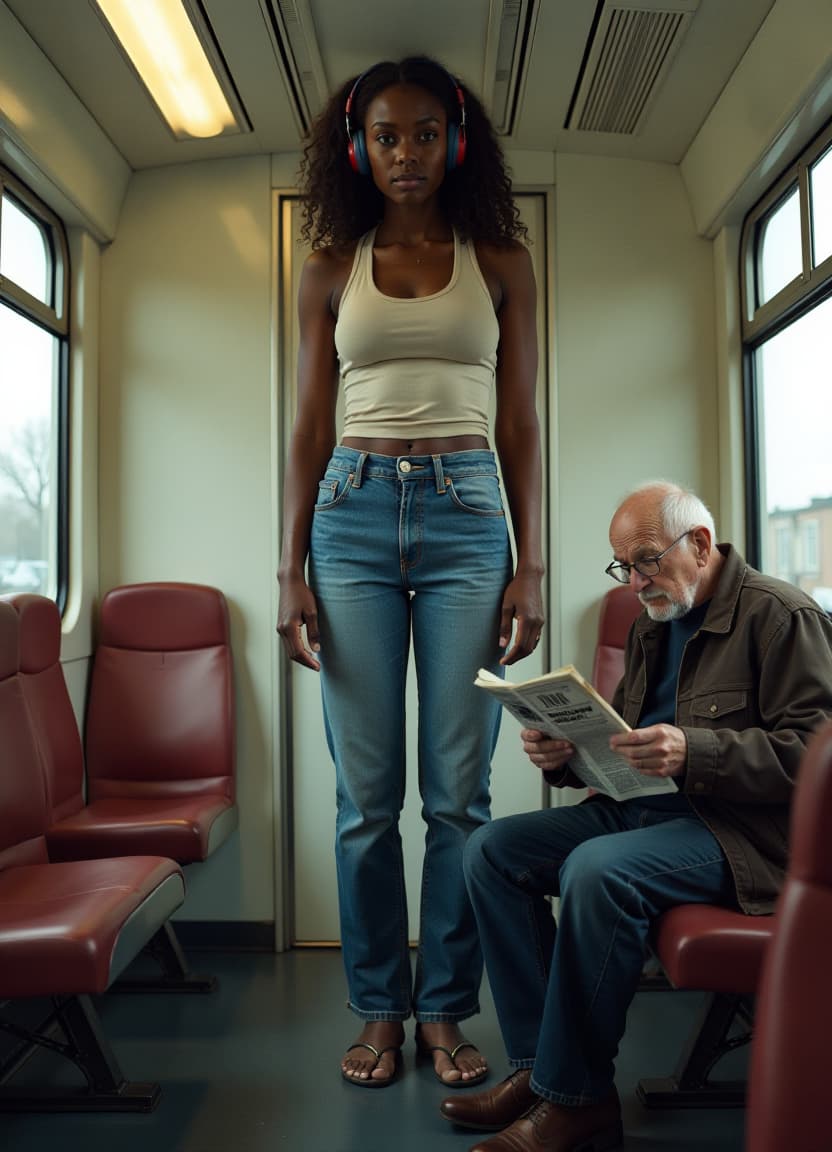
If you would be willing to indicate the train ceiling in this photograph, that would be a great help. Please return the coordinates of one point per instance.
(631, 78)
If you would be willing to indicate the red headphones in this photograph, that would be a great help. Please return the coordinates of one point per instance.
(357, 147)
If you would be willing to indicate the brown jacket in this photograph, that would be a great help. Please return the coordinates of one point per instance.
(754, 683)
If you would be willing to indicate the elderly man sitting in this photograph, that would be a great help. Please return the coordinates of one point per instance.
(727, 672)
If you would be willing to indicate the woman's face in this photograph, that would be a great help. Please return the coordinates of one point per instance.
(406, 135)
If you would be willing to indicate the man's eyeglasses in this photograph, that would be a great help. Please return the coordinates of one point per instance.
(647, 567)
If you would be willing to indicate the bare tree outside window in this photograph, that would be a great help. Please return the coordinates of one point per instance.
(24, 496)
(25, 466)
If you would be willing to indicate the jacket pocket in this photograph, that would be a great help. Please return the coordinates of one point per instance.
(724, 709)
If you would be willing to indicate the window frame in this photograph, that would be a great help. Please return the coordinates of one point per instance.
(53, 317)
(760, 323)
(801, 293)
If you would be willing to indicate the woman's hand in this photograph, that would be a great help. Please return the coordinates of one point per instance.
(298, 610)
(523, 602)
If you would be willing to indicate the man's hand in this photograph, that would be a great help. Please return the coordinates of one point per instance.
(549, 755)
(660, 750)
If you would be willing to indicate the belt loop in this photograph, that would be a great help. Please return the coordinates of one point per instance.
(359, 468)
(439, 473)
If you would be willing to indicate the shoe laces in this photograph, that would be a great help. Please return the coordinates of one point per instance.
(538, 1111)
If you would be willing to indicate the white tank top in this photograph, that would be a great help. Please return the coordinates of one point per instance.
(417, 367)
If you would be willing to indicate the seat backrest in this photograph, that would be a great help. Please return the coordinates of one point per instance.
(787, 1105)
(619, 609)
(50, 707)
(22, 785)
(160, 711)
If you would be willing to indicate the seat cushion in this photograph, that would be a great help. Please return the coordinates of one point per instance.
(22, 788)
(713, 949)
(40, 631)
(164, 617)
(164, 717)
(67, 929)
(186, 828)
(619, 608)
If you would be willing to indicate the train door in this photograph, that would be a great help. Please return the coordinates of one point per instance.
(310, 786)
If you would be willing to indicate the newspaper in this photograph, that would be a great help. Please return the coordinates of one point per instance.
(565, 705)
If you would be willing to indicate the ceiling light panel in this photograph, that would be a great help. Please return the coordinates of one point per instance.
(170, 46)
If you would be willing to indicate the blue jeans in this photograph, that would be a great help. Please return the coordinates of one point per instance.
(409, 549)
(562, 991)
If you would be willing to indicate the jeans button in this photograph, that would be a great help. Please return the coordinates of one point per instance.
(404, 465)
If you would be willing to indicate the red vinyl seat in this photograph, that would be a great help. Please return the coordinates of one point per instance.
(66, 929)
(787, 1105)
(160, 738)
(619, 608)
(160, 734)
(693, 941)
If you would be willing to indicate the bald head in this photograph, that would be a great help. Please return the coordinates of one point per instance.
(674, 508)
(663, 522)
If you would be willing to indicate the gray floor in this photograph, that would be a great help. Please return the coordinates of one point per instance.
(254, 1068)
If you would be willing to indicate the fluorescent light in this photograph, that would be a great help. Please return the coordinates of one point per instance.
(164, 48)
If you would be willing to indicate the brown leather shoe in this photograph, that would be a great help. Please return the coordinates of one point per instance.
(492, 1110)
(555, 1128)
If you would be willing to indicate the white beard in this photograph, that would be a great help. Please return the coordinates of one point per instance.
(669, 609)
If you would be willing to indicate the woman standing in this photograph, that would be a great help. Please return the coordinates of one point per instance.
(418, 301)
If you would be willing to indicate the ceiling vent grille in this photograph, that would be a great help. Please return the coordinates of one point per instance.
(295, 42)
(627, 59)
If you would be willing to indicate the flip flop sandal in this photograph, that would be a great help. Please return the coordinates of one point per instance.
(427, 1051)
(379, 1081)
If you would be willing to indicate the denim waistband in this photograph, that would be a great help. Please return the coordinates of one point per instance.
(477, 462)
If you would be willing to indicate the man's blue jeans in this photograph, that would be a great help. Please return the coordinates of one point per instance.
(409, 548)
(562, 992)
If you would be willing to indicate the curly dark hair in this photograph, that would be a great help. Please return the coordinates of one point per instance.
(340, 205)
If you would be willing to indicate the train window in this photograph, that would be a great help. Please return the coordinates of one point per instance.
(34, 272)
(24, 254)
(778, 261)
(787, 336)
(821, 193)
